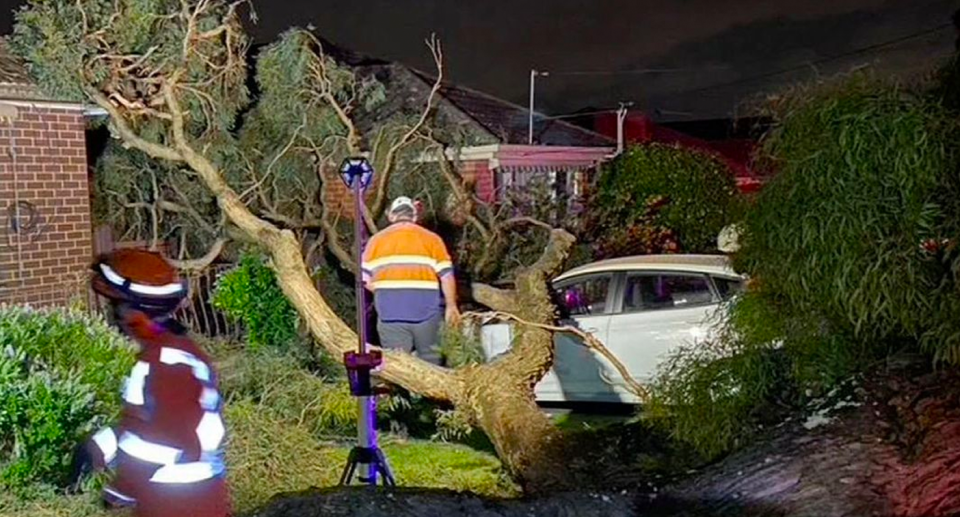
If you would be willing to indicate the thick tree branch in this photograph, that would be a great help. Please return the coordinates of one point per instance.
(501, 300)
(587, 339)
(553, 257)
(296, 283)
(130, 138)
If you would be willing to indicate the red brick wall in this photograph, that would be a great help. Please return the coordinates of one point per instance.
(43, 169)
(340, 200)
(478, 172)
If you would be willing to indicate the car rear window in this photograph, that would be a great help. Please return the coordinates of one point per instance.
(728, 287)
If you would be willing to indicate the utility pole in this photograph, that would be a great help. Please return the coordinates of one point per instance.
(533, 87)
(621, 117)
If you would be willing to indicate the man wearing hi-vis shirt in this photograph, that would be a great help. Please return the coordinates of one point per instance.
(409, 270)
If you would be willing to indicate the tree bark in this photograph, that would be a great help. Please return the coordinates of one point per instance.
(498, 397)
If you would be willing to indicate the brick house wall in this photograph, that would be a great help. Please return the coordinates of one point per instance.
(46, 232)
(476, 172)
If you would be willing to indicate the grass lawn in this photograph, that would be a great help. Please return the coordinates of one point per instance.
(265, 464)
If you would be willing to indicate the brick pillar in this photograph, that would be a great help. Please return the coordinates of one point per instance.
(45, 226)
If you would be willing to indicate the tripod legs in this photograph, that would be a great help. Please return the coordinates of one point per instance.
(376, 463)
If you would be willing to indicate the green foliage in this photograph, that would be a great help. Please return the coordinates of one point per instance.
(277, 383)
(338, 290)
(687, 194)
(459, 348)
(946, 86)
(267, 455)
(837, 234)
(834, 247)
(51, 503)
(711, 394)
(55, 40)
(251, 295)
(279, 416)
(60, 374)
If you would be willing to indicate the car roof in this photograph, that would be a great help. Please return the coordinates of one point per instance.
(708, 264)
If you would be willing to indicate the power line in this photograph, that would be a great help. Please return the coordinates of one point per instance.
(638, 71)
(862, 50)
(575, 114)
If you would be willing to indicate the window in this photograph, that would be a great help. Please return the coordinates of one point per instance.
(584, 297)
(727, 287)
(665, 291)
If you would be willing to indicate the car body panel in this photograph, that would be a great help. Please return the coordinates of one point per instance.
(641, 335)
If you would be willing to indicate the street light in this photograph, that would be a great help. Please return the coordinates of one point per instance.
(357, 173)
(533, 87)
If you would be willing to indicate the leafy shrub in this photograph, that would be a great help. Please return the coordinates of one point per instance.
(711, 394)
(662, 198)
(459, 348)
(837, 234)
(833, 249)
(60, 375)
(251, 295)
(277, 383)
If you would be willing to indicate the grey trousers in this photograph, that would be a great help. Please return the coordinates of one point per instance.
(422, 338)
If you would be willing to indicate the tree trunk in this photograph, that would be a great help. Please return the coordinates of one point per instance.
(497, 397)
(520, 431)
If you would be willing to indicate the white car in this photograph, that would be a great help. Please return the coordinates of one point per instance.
(640, 307)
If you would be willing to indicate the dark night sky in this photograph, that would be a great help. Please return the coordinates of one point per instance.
(720, 45)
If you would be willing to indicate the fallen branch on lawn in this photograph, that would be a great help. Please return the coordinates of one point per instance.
(589, 340)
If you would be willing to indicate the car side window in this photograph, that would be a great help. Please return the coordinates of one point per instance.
(653, 291)
(584, 297)
(728, 287)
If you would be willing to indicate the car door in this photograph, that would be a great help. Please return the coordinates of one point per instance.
(585, 303)
(659, 312)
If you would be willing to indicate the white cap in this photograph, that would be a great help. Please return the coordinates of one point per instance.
(403, 202)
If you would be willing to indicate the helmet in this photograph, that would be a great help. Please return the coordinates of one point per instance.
(140, 278)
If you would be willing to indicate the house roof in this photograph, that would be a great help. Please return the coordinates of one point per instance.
(15, 81)
(509, 123)
(503, 121)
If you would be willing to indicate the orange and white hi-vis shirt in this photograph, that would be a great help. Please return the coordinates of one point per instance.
(403, 265)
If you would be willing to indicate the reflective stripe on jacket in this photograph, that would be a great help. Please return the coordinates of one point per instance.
(171, 420)
(403, 265)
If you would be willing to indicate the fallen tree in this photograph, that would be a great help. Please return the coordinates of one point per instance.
(172, 76)
(886, 444)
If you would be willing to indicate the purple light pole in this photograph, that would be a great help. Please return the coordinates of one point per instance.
(357, 174)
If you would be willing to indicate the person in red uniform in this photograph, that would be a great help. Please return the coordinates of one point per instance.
(165, 455)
